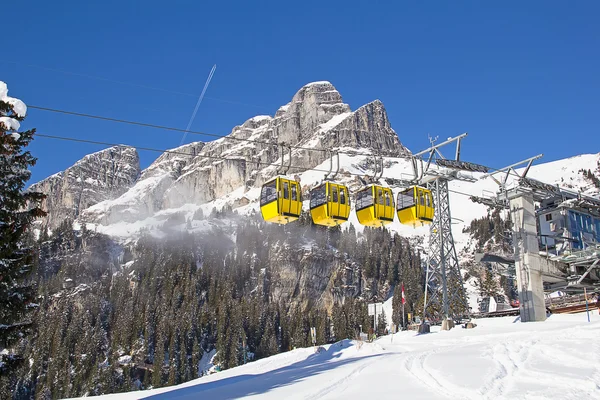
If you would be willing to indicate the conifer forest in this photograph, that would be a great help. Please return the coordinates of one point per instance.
(146, 318)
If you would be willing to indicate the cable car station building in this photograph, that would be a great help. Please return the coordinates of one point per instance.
(567, 227)
(557, 244)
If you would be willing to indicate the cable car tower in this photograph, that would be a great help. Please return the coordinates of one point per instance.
(443, 270)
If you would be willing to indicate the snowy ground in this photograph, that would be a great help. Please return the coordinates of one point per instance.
(501, 358)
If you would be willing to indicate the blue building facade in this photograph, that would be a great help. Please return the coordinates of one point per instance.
(564, 228)
(583, 228)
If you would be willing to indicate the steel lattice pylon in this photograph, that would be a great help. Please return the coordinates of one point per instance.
(443, 274)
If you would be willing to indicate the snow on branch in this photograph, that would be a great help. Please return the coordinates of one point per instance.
(19, 109)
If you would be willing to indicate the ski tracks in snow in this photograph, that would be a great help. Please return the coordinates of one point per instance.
(416, 365)
(339, 385)
(516, 362)
(510, 359)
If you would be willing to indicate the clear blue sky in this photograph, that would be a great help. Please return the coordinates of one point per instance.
(522, 77)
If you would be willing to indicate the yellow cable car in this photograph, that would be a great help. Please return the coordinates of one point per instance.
(329, 204)
(281, 200)
(375, 206)
(415, 205)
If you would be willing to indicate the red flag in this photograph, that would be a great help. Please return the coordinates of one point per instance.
(403, 297)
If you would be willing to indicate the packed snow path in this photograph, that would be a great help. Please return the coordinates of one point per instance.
(501, 358)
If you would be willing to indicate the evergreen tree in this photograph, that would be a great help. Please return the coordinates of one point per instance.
(458, 304)
(488, 287)
(18, 209)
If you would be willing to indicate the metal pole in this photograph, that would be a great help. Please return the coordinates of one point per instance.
(426, 290)
(442, 255)
(375, 317)
(403, 323)
(587, 310)
(435, 147)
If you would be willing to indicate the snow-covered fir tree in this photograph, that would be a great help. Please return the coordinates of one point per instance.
(18, 209)
(488, 285)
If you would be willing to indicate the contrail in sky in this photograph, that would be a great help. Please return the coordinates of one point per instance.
(189, 125)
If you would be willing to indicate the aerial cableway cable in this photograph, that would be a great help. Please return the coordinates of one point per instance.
(294, 167)
(227, 137)
(169, 128)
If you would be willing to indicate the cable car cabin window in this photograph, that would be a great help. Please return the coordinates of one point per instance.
(387, 199)
(286, 190)
(406, 199)
(364, 199)
(428, 200)
(379, 196)
(268, 193)
(317, 196)
(294, 192)
(342, 196)
(334, 194)
(421, 198)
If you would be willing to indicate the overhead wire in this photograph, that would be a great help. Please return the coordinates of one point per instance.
(220, 158)
(186, 131)
(164, 127)
(168, 128)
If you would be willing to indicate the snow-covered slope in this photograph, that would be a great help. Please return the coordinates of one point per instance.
(145, 197)
(104, 175)
(565, 172)
(499, 359)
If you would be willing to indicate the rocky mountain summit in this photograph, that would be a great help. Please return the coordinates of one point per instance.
(100, 176)
(197, 173)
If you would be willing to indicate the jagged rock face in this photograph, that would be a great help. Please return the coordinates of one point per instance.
(313, 105)
(83, 257)
(104, 175)
(315, 118)
(311, 278)
(145, 198)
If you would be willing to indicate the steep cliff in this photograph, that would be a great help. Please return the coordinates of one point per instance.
(316, 118)
(145, 197)
(100, 176)
(198, 173)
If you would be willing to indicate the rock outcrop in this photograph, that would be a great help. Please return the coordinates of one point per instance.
(197, 173)
(145, 197)
(312, 278)
(316, 118)
(100, 176)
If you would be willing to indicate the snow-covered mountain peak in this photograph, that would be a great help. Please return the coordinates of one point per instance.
(321, 92)
(103, 175)
(315, 118)
(257, 121)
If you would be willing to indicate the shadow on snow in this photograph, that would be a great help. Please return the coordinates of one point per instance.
(255, 384)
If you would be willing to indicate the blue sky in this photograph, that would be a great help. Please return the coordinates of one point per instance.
(521, 77)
